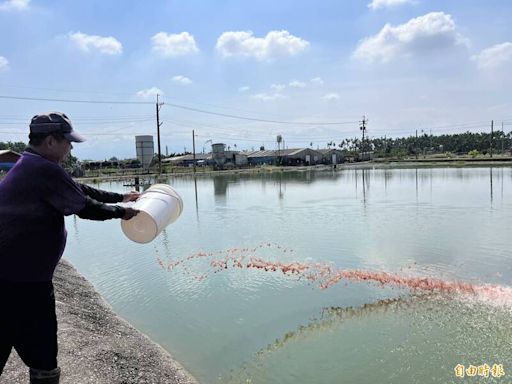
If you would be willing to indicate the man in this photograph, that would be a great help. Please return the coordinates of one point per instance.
(35, 195)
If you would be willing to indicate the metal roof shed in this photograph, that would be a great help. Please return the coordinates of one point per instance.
(8, 158)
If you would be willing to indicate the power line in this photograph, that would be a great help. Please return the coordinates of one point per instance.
(143, 118)
(236, 138)
(177, 106)
(88, 134)
(75, 101)
(124, 94)
(94, 124)
(66, 90)
(115, 119)
(257, 119)
(216, 131)
(222, 135)
(10, 120)
(443, 130)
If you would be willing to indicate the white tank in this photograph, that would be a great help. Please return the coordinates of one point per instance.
(145, 149)
(218, 153)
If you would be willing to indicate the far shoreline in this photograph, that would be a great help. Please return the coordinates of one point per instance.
(377, 164)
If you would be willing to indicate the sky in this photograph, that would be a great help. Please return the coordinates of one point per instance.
(242, 72)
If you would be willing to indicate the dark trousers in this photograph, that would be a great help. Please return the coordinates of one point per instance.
(28, 324)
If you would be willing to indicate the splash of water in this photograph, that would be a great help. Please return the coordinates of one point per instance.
(332, 316)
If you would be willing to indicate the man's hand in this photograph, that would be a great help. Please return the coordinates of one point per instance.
(129, 213)
(131, 196)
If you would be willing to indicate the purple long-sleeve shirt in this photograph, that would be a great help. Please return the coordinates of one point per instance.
(35, 195)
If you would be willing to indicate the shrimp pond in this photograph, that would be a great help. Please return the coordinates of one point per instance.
(343, 276)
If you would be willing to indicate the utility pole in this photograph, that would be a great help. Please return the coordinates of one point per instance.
(416, 149)
(492, 128)
(194, 149)
(362, 127)
(279, 140)
(502, 137)
(158, 124)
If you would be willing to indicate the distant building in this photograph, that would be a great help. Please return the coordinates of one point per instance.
(221, 158)
(365, 156)
(240, 159)
(332, 156)
(188, 160)
(8, 158)
(299, 156)
(295, 156)
(261, 157)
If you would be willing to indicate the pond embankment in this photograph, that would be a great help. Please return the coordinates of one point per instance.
(96, 346)
(375, 164)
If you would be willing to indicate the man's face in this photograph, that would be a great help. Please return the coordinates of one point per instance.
(59, 149)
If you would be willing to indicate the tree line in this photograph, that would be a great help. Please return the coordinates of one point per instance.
(18, 146)
(458, 143)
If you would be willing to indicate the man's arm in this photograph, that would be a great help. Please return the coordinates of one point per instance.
(108, 197)
(95, 210)
(100, 195)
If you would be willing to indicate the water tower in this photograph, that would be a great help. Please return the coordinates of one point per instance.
(145, 149)
(219, 154)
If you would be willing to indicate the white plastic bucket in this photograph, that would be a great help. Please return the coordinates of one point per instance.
(159, 206)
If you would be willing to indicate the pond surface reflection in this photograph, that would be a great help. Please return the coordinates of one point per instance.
(261, 325)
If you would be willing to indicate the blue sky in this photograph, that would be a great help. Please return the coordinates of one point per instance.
(440, 66)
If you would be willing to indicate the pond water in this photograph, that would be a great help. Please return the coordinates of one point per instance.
(205, 289)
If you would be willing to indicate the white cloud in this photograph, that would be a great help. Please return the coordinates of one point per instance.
(268, 96)
(244, 89)
(150, 92)
(172, 45)
(317, 81)
(378, 4)
(4, 64)
(277, 87)
(331, 97)
(423, 34)
(296, 84)
(14, 5)
(274, 44)
(107, 45)
(183, 80)
(496, 56)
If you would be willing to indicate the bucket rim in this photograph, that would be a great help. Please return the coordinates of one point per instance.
(165, 189)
